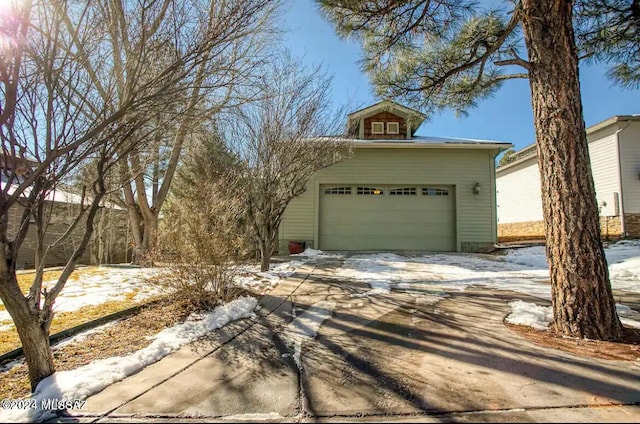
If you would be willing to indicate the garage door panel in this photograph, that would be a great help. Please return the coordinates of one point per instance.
(387, 222)
(355, 215)
(398, 229)
(376, 243)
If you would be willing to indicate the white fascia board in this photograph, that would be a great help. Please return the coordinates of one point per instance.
(413, 145)
(599, 126)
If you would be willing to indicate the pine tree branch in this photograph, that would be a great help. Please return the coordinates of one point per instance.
(515, 61)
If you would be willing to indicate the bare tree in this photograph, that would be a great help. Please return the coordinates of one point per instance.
(282, 139)
(14, 22)
(236, 33)
(86, 96)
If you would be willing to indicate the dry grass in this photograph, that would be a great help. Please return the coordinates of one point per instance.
(64, 320)
(126, 336)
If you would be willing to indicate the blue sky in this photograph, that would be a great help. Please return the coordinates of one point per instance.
(505, 117)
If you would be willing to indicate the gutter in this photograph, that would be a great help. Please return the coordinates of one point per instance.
(418, 145)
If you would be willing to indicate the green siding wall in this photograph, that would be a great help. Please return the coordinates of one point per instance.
(462, 168)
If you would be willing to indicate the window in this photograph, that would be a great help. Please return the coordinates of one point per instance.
(377, 128)
(393, 128)
(370, 191)
(404, 191)
(431, 191)
(338, 190)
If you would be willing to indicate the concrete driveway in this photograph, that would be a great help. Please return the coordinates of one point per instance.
(375, 358)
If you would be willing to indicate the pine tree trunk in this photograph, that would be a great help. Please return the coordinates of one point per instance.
(581, 293)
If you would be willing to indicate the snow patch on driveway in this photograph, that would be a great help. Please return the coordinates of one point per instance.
(306, 326)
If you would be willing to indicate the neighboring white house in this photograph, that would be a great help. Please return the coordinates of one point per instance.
(614, 150)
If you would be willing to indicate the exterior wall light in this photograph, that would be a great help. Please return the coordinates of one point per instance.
(476, 188)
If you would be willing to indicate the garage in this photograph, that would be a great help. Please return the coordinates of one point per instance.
(387, 217)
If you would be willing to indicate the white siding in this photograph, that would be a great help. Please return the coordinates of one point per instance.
(630, 163)
(603, 154)
(519, 196)
(518, 193)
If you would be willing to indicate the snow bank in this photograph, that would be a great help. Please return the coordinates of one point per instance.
(628, 316)
(530, 314)
(315, 253)
(82, 382)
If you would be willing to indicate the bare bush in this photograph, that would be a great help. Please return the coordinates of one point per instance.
(202, 233)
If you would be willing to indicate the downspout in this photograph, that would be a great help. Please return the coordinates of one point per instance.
(494, 194)
(623, 229)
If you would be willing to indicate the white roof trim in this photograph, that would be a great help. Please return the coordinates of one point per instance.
(413, 145)
(599, 126)
(425, 142)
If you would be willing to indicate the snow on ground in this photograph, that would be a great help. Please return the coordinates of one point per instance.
(379, 270)
(539, 317)
(310, 253)
(82, 382)
(106, 283)
(429, 277)
(251, 278)
(96, 286)
(628, 316)
(435, 274)
(530, 314)
(306, 326)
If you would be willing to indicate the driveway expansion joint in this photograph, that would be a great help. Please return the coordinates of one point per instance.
(260, 316)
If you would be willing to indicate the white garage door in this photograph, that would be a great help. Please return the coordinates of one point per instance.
(386, 217)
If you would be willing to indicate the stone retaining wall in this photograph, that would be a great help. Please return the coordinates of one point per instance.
(534, 230)
(632, 224)
(516, 231)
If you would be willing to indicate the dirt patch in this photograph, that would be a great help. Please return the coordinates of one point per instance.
(626, 350)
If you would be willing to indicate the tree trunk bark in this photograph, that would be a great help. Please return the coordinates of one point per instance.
(581, 293)
(36, 349)
(33, 334)
(149, 240)
(265, 257)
